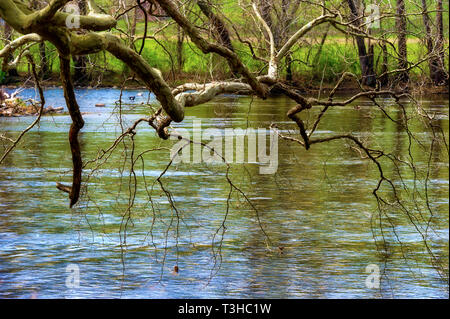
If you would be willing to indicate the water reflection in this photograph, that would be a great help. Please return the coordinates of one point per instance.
(318, 207)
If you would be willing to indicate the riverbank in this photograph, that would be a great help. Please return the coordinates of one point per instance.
(307, 87)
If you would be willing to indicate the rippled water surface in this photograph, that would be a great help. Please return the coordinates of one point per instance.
(318, 206)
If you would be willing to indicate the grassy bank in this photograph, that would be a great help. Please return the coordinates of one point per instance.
(311, 64)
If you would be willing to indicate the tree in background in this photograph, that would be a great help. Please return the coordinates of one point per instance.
(400, 22)
(218, 25)
(365, 55)
(435, 44)
(279, 17)
(7, 34)
(441, 76)
(80, 74)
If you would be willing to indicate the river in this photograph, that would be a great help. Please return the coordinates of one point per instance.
(317, 207)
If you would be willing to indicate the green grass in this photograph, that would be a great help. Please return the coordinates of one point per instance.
(338, 54)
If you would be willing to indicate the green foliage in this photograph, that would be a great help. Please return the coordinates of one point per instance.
(2, 76)
(337, 55)
(328, 64)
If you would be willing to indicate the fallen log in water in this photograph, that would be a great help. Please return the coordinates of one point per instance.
(15, 107)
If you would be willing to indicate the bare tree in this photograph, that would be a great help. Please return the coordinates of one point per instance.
(217, 23)
(12, 72)
(284, 13)
(80, 75)
(442, 76)
(402, 45)
(434, 44)
(180, 41)
(365, 55)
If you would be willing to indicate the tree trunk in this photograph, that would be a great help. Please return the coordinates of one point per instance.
(265, 6)
(400, 24)
(44, 72)
(384, 80)
(437, 74)
(217, 23)
(44, 68)
(367, 72)
(384, 77)
(134, 22)
(180, 40)
(288, 67)
(12, 72)
(80, 74)
(442, 75)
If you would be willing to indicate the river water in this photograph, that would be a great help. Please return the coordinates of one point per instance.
(317, 206)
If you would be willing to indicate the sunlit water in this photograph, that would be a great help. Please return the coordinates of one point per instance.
(317, 206)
